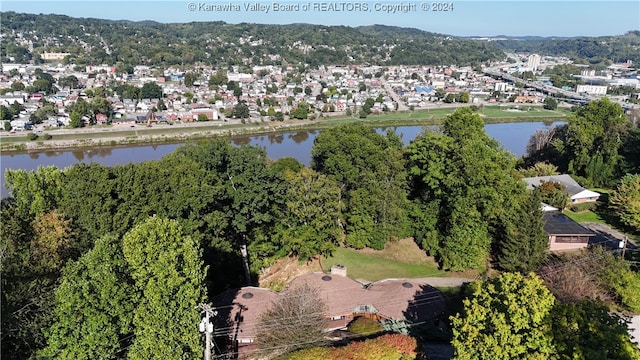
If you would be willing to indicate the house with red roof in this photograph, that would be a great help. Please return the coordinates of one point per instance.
(407, 300)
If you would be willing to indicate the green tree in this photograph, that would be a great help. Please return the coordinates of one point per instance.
(17, 86)
(370, 171)
(589, 330)
(93, 306)
(151, 91)
(440, 93)
(550, 103)
(300, 112)
(625, 201)
(34, 192)
(246, 197)
(7, 126)
(82, 107)
(167, 269)
(464, 97)
(35, 242)
(69, 81)
(552, 193)
(161, 105)
(190, 78)
(309, 223)
(591, 142)
(525, 245)
(470, 179)
(240, 111)
(75, 120)
(505, 318)
(99, 105)
(219, 78)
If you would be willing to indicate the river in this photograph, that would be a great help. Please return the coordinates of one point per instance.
(296, 144)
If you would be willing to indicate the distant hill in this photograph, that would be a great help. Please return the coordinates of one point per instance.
(593, 49)
(126, 43)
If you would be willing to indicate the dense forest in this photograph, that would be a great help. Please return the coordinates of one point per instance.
(602, 49)
(102, 262)
(93, 41)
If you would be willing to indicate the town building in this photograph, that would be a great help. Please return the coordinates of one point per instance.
(533, 62)
(591, 89)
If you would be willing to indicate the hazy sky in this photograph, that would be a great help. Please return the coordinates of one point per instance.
(462, 18)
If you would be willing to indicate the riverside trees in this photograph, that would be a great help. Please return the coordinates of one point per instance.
(593, 145)
(465, 194)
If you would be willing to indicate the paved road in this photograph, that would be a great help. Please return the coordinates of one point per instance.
(608, 236)
(401, 105)
(634, 329)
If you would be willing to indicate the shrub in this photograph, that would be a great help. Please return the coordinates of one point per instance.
(311, 354)
(47, 136)
(404, 344)
(386, 347)
(364, 326)
(32, 136)
(573, 280)
(583, 206)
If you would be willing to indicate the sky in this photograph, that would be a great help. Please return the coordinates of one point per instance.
(459, 18)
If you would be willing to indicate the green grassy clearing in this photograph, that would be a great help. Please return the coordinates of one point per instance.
(373, 267)
(525, 112)
(585, 216)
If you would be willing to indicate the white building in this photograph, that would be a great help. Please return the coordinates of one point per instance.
(533, 62)
(54, 56)
(591, 89)
(501, 86)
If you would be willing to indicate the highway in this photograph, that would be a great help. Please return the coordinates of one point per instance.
(578, 98)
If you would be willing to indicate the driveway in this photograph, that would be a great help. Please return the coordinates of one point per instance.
(608, 236)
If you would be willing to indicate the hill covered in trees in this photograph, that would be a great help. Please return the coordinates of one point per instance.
(94, 41)
(594, 49)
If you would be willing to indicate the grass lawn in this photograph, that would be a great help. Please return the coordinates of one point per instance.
(526, 111)
(585, 216)
(373, 267)
(435, 114)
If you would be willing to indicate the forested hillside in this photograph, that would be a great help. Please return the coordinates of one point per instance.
(594, 49)
(94, 41)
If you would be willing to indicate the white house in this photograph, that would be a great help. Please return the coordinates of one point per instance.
(577, 194)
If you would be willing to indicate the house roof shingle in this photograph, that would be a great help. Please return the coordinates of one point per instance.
(557, 223)
(239, 310)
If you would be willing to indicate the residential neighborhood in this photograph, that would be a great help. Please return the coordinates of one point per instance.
(270, 93)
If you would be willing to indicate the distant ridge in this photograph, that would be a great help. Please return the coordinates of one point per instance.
(95, 41)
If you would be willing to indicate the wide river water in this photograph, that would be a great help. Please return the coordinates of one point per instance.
(296, 144)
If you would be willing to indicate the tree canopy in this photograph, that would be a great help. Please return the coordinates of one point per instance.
(462, 180)
(167, 269)
(369, 169)
(625, 201)
(590, 144)
(505, 318)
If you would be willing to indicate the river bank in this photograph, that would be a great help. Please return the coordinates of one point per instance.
(91, 137)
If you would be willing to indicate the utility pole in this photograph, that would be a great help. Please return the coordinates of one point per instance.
(206, 326)
(624, 246)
